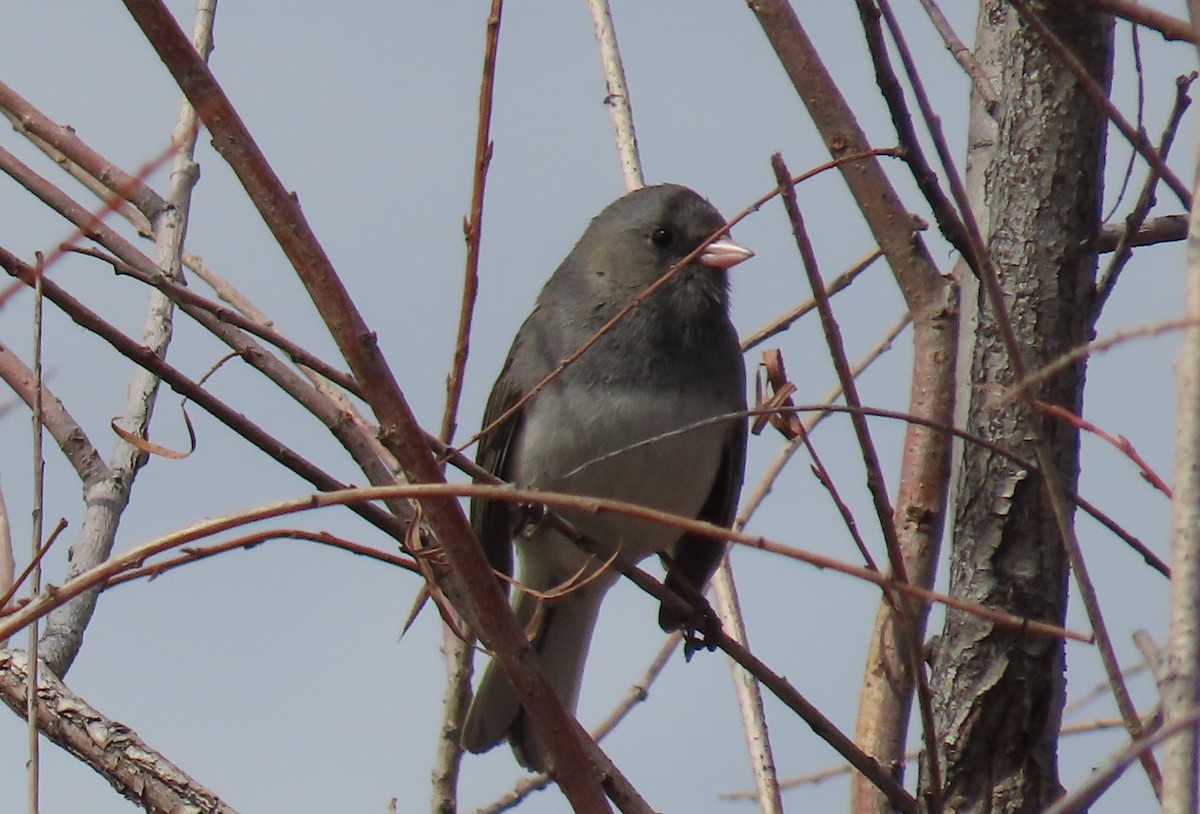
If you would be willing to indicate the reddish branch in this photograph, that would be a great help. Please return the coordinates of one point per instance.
(119, 184)
(1136, 219)
(1119, 443)
(576, 773)
(1172, 28)
(921, 499)
(906, 621)
(138, 354)
(473, 223)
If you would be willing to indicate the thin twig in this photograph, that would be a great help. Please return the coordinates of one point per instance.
(1172, 28)
(1030, 466)
(889, 221)
(353, 435)
(906, 623)
(7, 596)
(869, 12)
(1100, 690)
(1120, 443)
(109, 182)
(263, 329)
(767, 481)
(95, 218)
(963, 55)
(784, 321)
(1181, 690)
(8, 565)
(1145, 202)
(257, 538)
(133, 558)
(1025, 383)
(876, 484)
(792, 428)
(1135, 47)
(900, 799)
(620, 108)
(33, 765)
(473, 223)
(749, 694)
(1103, 776)
(1088, 507)
(875, 480)
(830, 772)
(68, 433)
(138, 354)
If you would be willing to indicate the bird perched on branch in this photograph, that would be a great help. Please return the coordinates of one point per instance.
(631, 419)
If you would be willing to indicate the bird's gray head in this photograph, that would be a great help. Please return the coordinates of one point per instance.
(638, 237)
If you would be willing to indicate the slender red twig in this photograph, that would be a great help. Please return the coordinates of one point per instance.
(1134, 221)
(1120, 443)
(248, 541)
(473, 224)
(33, 563)
(97, 217)
(1172, 28)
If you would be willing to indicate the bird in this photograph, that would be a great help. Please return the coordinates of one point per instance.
(653, 413)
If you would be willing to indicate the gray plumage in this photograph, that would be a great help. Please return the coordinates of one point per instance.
(672, 362)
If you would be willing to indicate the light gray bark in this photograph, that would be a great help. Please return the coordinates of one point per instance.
(998, 694)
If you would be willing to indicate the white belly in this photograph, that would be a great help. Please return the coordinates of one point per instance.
(625, 448)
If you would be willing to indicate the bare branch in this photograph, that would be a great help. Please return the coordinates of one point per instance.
(749, 695)
(473, 224)
(620, 108)
(1080, 799)
(111, 749)
(64, 429)
(1163, 229)
(137, 353)
(484, 604)
(1181, 688)
(1172, 28)
(785, 321)
(1135, 220)
(108, 181)
(8, 565)
(890, 223)
(964, 56)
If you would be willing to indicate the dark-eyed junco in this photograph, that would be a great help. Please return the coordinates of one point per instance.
(669, 364)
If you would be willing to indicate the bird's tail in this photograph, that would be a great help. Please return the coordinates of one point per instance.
(561, 643)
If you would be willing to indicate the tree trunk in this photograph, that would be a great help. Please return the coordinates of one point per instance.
(998, 693)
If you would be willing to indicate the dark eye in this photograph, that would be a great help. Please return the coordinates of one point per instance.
(662, 237)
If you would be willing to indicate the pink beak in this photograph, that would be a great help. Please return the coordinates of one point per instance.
(724, 254)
